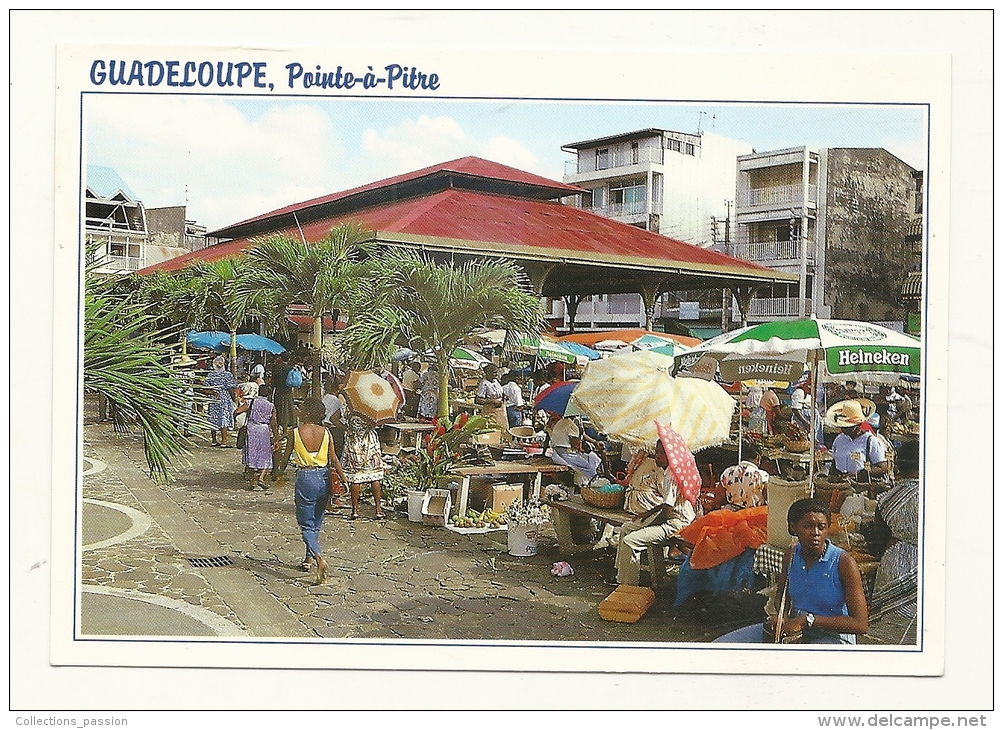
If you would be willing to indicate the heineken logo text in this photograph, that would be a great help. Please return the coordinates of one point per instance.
(883, 357)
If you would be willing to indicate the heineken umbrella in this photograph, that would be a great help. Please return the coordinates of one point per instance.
(781, 350)
(832, 349)
(541, 347)
(467, 359)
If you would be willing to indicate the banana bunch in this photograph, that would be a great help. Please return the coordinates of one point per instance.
(487, 518)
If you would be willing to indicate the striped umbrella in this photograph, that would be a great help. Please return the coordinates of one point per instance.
(623, 396)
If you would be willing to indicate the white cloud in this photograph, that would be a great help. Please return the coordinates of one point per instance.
(229, 166)
(417, 143)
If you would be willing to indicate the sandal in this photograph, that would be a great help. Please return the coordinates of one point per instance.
(306, 565)
(321, 572)
(381, 515)
(354, 516)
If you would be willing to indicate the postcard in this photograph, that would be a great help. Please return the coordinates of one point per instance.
(687, 196)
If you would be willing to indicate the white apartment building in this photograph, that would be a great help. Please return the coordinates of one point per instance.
(115, 220)
(672, 183)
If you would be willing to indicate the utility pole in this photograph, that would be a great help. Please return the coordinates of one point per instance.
(725, 292)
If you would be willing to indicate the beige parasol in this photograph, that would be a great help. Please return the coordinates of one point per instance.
(623, 396)
(371, 396)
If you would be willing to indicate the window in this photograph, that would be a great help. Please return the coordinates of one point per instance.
(628, 197)
(635, 153)
(599, 198)
(673, 144)
(602, 159)
(624, 304)
(690, 150)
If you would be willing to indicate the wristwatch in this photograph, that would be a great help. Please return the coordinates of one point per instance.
(809, 619)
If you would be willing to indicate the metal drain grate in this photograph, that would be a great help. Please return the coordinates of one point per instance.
(219, 562)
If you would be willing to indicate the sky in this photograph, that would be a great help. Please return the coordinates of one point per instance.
(232, 158)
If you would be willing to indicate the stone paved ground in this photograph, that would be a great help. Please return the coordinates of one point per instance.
(388, 579)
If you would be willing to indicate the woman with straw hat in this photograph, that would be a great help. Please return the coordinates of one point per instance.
(855, 452)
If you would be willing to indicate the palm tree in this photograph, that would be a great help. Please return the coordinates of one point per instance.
(176, 298)
(320, 276)
(124, 362)
(428, 305)
(219, 295)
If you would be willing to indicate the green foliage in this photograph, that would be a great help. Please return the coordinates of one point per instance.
(410, 299)
(123, 360)
(440, 453)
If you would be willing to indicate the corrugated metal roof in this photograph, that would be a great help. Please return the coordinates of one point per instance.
(501, 225)
(469, 166)
(912, 287)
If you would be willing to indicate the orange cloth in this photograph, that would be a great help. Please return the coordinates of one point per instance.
(722, 535)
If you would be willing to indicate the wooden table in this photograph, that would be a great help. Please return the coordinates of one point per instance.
(571, 519)
(533, 468)
(413, 429)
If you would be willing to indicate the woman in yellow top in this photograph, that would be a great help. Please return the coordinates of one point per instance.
(313, 453)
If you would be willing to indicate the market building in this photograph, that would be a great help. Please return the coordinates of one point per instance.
(471, 208)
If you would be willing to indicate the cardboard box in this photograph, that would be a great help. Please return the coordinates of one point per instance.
(627, 604)
(436, 506)
(502, 495)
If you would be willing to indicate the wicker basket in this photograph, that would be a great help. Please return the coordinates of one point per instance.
(606, 500)
(797, 446)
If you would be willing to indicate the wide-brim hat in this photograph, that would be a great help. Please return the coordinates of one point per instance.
(845, 413)
(867, 406)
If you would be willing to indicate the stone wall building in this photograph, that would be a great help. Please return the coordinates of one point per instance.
(838, 218)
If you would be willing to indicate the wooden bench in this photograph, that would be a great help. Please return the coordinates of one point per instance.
(572, 517)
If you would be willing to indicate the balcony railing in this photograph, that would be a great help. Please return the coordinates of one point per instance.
(781, 195)
(773, 251)
(587, 161)
(614, 210)
(121, 263)
(773, 307)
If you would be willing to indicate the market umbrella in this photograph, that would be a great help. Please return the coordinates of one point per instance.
(624, 395)
(580, 351)
(555, 399)
(681, 463)
(208, 340)
(833, 349)
(468, 359)
(371, 396)
(668, 348)
(256, 343)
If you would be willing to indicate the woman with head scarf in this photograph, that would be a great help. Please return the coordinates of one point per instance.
(220, 413)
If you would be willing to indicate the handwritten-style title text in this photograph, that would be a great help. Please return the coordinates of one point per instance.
(254, 75)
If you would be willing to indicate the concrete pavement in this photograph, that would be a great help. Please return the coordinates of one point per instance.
(388, 579)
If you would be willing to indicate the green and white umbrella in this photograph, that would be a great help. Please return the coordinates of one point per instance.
(834, 349)
(831, 349)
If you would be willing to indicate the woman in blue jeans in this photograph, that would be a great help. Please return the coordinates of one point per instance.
(313, 453)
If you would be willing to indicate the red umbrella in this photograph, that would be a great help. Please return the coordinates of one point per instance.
(681, 463)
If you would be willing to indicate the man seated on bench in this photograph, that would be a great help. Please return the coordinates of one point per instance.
(659, 523)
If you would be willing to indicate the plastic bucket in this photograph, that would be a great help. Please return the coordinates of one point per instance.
(414, 502)
(522, 540)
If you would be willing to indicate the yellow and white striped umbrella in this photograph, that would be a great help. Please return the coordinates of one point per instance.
(623, 396)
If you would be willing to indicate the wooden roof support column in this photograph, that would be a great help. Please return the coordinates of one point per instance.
(744, 294)
(537, 271)
(572, 301)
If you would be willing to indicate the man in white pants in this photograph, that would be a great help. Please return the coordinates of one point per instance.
(654, 526)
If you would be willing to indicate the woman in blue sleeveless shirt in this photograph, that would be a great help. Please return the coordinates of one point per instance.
(825, 590)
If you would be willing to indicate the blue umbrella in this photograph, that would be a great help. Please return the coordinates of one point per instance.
(208, 340)
(555, 399)
(256, 343)
(582, 350)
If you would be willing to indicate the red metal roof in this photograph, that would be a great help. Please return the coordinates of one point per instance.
(502, 225)
(470, 166)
